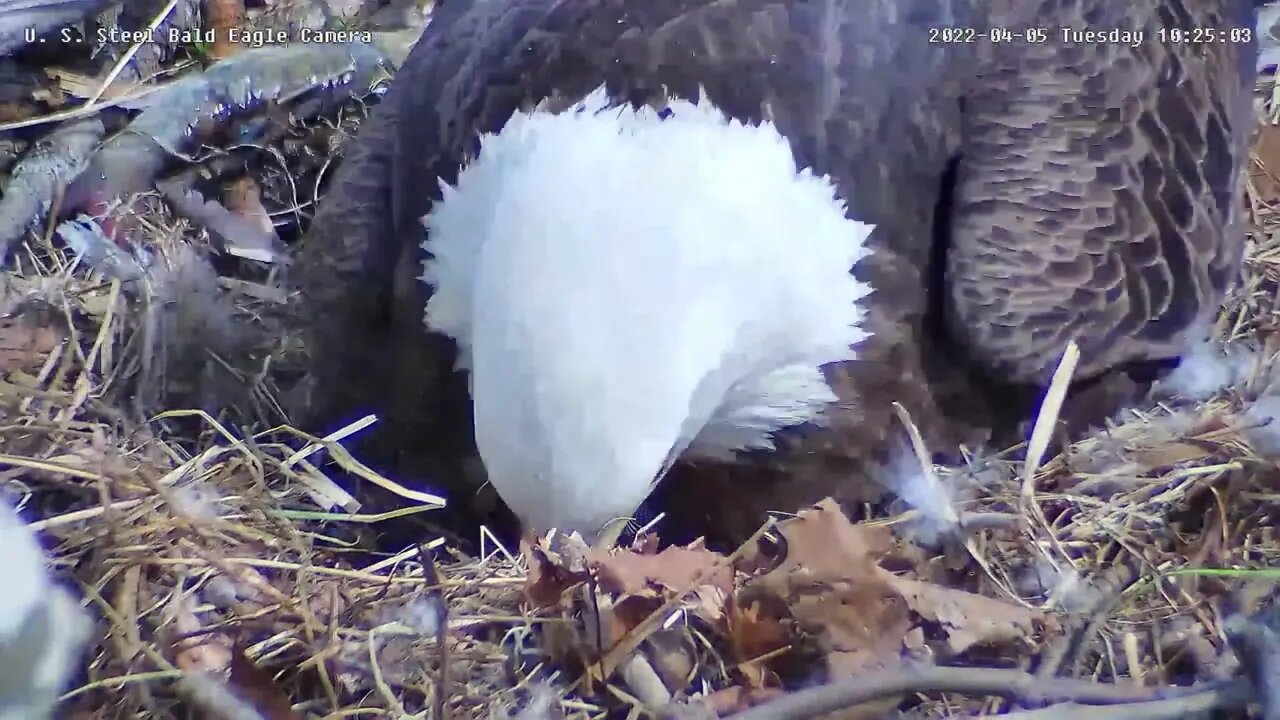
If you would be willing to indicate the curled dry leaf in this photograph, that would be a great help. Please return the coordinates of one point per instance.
(835, 591)
(635, 577)
(549, 579)
(642, 580)
(965, 618)
(863, 615)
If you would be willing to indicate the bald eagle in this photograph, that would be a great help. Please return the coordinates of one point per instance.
(613, 241)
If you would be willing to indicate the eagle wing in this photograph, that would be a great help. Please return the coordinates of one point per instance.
(1098, 194)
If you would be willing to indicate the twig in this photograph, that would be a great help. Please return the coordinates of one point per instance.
(128, 55)
(83, 111)
(1071, 644)
(1231, 695)
(972, 681)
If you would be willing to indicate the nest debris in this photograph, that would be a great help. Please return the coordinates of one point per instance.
(171, 542)
(215, 558)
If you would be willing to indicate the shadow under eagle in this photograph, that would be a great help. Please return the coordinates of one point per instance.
(1022, 194)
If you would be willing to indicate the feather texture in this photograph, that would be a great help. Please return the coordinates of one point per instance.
(1022, 194)
(622, 281)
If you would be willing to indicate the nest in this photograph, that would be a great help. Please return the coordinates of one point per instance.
(228, 567)
(204, 552)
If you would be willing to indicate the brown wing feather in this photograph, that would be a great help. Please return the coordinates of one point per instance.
(338, 296)
(1098, 194)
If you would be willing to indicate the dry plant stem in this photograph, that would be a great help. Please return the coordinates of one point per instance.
(931, 478)
(1120, 580)
(922, 456)
(640, 676)
(123, 62)
(971, 681)
(972, 523)
(82, 110)
(636, 670)
(431, 579)
(1041, 433)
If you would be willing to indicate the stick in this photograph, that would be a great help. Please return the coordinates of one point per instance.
(823, 699)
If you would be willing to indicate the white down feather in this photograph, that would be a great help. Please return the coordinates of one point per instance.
(625, 287)
(43, 629)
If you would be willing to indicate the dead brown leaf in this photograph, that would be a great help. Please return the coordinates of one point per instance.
(627, 614)
(549, 579)
(862, 615)
(753, 632)
(675, 569)
(708, 602)
(830, 582)
(967, 619)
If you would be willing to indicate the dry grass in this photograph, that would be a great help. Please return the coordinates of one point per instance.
(194, 544)
(187, 544)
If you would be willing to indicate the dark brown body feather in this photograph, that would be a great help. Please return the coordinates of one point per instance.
(865, 95)
(1103, 180)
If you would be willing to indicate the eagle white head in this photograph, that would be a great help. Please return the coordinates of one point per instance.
(626, 286)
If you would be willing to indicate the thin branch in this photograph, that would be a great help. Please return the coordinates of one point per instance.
(1016, 684)
(1222, 697)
